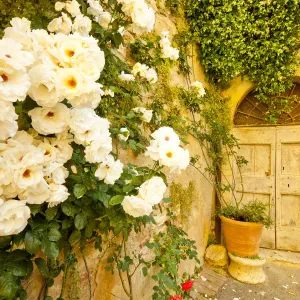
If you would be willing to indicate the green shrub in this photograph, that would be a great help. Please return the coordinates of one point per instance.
(254, 211)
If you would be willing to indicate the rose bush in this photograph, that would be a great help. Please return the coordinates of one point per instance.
(61, 179)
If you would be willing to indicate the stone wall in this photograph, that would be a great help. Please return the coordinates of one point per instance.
(107, 286)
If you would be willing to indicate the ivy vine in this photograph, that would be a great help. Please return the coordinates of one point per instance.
(257, 39)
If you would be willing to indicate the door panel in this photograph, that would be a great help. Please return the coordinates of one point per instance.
(288, 188)
(258, 146)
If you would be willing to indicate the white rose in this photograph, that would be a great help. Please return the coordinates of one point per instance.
(140, 69)
(11, 191)
(146, 114)
(50, 120)
(174, 157)
(14, 85)
(65, 150)
(73, 8)
(104, 19)
(136, 206)
(94, 8)
(124, 134)
(87, 126)
(109, 170)
(41, 41)
(21, 137)
(8, 117)
(58, 194)
(6, 174)
(37, 195)
(152, 150)
(23, 155)
(58, 173)
(12, 55)
(82, 25)
(59, 6)
(152, 190)
(43, 89)
(143, 17)
(50, 152)
(28, 176)
(98, 150)
(62, 24)
(81, 120)
(151, 75)
(166, 135)
(198, 86)
(126, 77)
(19, 31)
(170, 52)
(13, 216)
(70, 82)
(87, 100)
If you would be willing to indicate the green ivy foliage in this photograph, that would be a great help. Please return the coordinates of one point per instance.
(40, 12)
(257, 39)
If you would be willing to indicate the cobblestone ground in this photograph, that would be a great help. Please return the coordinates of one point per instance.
(282, 283)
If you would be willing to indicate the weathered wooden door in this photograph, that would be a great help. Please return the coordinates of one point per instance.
(272, 175)
(288, 188)
(258, 146)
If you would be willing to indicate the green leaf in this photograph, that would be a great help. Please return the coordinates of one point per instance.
(23, 295)
(89, 229)
(80, 221)
(104, 198)
(138, 180)
(51, 213)
(8, 286)
(35, 208)
(150, 245)
(79, 190)
(75, 237)
(145, 271)
(50, 249)
(5, 241)
(17, 255)
(116, 199)
(66, 223)
(68, 209)
(54, 235)
(50, 282)
(128, 187)
(19, 268)
(167, 200)
(32, 242)
(43, 267)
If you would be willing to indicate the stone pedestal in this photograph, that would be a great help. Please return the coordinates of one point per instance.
(246, 269)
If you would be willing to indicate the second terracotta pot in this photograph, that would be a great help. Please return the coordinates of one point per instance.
(242, 238)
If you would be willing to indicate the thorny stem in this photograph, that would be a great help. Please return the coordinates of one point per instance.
(128, 275)
(63, 286)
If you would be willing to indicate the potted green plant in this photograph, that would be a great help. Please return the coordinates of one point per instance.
(243, 226)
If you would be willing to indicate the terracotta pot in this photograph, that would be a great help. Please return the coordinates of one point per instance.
(242, 238)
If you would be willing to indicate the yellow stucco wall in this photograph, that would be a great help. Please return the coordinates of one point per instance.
(240, 88)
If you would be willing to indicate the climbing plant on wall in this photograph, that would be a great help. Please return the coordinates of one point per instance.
(257, 39)
(68, 104)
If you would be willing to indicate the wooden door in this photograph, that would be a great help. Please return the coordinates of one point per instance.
(288, 188)
(257, 146)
